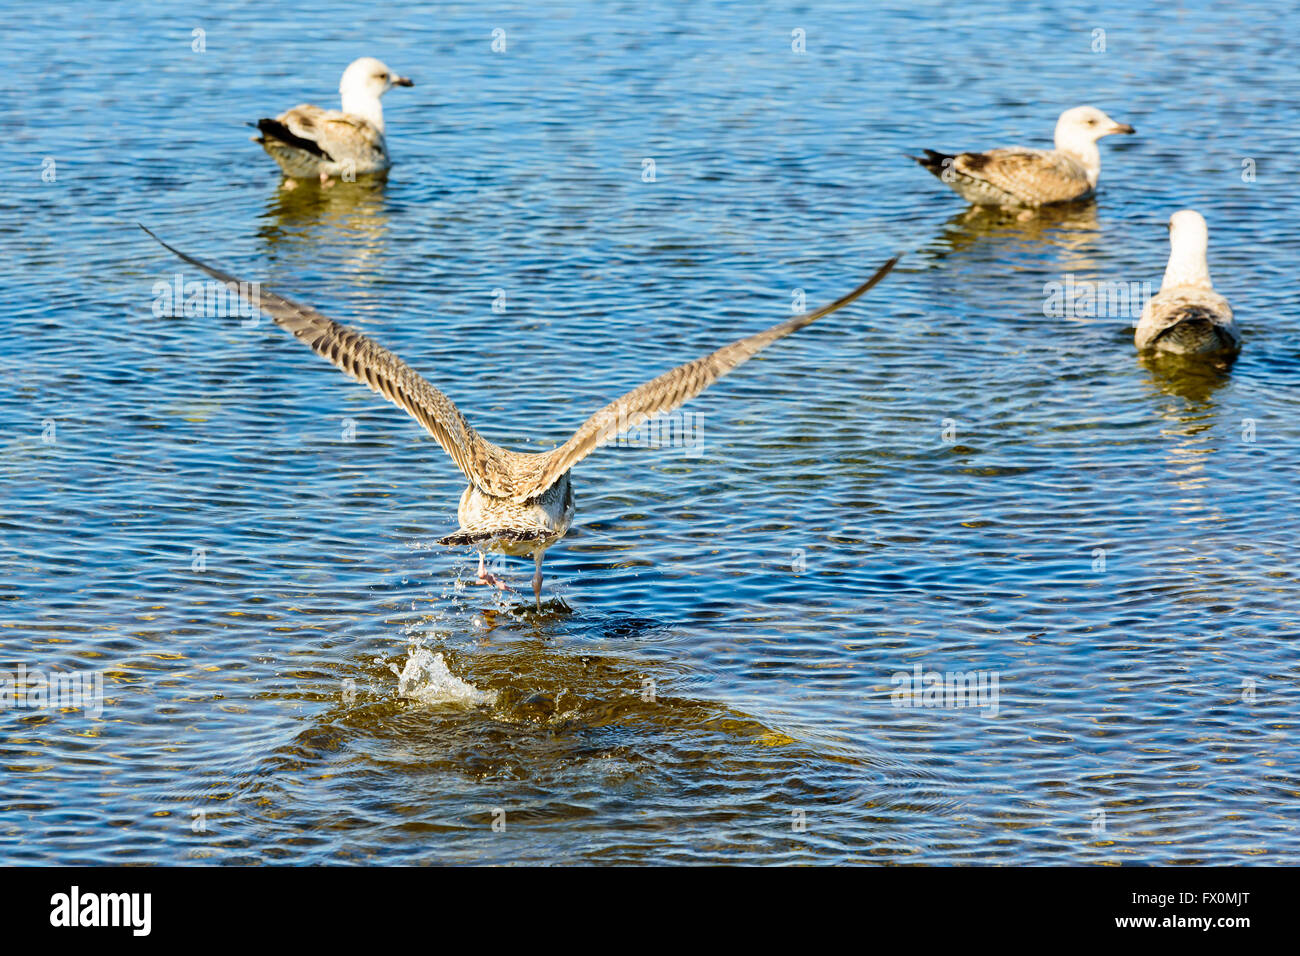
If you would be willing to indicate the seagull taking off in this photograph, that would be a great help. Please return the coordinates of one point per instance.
(1187, 317)
(308, 141)
(517, 503)
(1017, 176)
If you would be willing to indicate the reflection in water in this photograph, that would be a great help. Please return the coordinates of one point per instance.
(1188, 408)
(1071, 227)
(350, 217)
(1190, 377)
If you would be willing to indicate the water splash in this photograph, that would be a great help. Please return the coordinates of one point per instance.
(427, 679)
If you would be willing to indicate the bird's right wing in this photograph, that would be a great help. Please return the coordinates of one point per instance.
(301, 127)
(371, 364)
(670, 390)
(331, 135)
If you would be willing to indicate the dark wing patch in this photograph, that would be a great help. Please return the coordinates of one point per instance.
(497, 534)
(278, 131)
(1194, 329)
(933, 161)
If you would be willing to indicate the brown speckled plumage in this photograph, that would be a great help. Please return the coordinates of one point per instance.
(1187, 320)
(1011, 177)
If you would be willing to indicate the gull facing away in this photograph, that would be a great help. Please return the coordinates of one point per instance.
(1187, 317)
(308, 141)
(1018, 176)
(517, 503)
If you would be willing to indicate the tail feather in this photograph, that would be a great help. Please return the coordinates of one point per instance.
(1192, 313)
(278, 131)
(933, 161)
(1195, 329)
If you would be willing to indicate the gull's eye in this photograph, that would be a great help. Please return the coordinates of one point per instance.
(1092, 122)
(382, 76)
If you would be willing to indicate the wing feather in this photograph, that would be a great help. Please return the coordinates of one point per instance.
(671, 389)
(1031, 175)
(1171, 306)
(372, 365)
(331, 135)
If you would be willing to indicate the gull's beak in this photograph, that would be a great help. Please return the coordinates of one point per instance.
(1122, 128)
(407, 81)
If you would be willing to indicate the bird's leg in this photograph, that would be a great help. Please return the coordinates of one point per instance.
(537, 580)
(289, 184)
(487, 577)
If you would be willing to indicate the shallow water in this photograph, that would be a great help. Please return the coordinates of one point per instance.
(939, 476)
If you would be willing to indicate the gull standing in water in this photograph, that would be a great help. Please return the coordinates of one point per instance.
(1187, 317)
(308, 141)
(1018, 176)
(517, 503)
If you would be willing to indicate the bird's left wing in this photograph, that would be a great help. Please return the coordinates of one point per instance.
(349, 137)
(671, 389)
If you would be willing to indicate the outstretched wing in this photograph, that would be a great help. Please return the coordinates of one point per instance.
(671, 389)
(373, 365)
